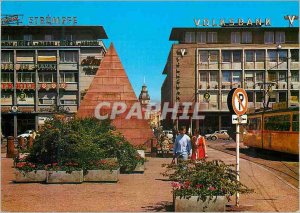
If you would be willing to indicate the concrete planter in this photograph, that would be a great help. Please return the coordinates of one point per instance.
(102, 175)
(194, 205)
(141, 152)
(139, 168)
(30, 177)
(64, 177)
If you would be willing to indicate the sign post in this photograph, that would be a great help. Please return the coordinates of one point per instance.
(237, 102)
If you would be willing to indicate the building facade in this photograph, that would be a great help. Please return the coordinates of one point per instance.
(44, 68)
(204, 64)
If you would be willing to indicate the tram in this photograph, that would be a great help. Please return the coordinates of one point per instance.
(276, 130)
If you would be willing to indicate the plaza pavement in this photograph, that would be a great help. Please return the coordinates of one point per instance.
(140, 192)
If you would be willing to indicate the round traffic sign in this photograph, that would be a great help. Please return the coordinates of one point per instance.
(237, 101)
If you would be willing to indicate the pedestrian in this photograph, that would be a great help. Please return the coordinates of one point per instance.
(33, 134)
(182, 146)
(198, 146)
(165, 146)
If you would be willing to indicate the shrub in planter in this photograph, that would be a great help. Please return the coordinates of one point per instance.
(67, 172)
(207, 180)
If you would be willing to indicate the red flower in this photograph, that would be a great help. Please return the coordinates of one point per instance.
(187, 184)
(176, 185)
(103, 161)
(199, 186)
(211, 188)
(20, 164)
(54, 164)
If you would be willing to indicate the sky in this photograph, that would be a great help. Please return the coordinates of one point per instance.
(140, 30)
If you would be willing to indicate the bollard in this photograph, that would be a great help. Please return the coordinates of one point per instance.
(10, 153)
(21, 142)
(30, 142)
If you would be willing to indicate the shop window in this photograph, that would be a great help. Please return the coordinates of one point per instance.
(189, 37)
(295, 55)
(282, 97)
(280, 37)
(259, 97)
(246, 37)
(7, 77)
(26, 77)
(272, 55)
(260, 55)
(203, 56)
(47, 98)
(27, 37)
(68, 56)
(269, 37)
(7, 56)
(235, 37)
(212, 37)
(201, 37)
(47, 77)
(249, 55)
(295, 76)
(226, 77)
(259, 76)
(226, 56)
(237, 56)
(25, 98)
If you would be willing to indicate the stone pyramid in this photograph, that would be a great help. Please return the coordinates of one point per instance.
(111, 84)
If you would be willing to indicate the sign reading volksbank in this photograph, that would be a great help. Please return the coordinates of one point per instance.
(232, 22)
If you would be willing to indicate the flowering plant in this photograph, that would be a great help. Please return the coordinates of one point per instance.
(103, 164)
(28, 166)
(204, 179)
(64, 166)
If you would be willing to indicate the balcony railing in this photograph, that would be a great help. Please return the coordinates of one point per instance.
(22, 43)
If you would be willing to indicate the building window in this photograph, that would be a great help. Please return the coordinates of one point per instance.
(68, 56)
(26, 77)
(282, 76)
(272, 55)
(226, 56)
(212, 37)
(27, 37)
(6, 98)
(28, 100)
(237, 56)
(282, 97)
(203, 56)
(47, 98)
(236, 76)
(259, 77)
(295, 55)
(260, 55)
(213, 76)
(282, 55)
(201, 37)
(203, 76)
(250, 97)
(259, 97)
(295, 96)
(269, 37)
(25, 56)
(272, 76)
(7, 57)
(48, 37)
(47, 77)
(213, 56)
(6, 37)
(249, 55)
(7, 77)
(235, 37)
(226, 76)
(189, 37)
(68, 77)
(69, 37)
(272, 97)
(280, 37)
(295, 76)
(246, 37)
(249, 76)
(68, 102)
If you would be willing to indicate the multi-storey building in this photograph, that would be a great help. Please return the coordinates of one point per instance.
(43, 68)
(204, 64)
